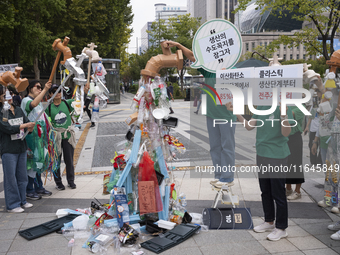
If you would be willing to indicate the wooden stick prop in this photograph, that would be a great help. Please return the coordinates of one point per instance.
(61, 47)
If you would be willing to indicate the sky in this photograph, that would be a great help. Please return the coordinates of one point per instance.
(144, 11)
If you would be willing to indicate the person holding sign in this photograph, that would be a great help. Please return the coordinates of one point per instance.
(272, 153)
(221, 137)
(13, 154)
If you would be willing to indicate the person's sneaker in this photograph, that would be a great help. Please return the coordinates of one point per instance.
(322, 204)
(294, 196)
(220, 184)
(336, 236)
(289, 192)
(60, 187)
(213, 182)
(27, 205)
(44, 192)
(33, 196)
(265, 226)
(16, 210)
(92, 124)
(335, 226)
(72, 186)
(277, 234)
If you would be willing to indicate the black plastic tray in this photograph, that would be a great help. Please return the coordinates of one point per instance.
(47, 227)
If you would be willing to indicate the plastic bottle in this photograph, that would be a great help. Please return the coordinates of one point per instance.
(139, 93)
(176, 218)
(141, 111)
(182, 199)
(6, 106)
(95, 110)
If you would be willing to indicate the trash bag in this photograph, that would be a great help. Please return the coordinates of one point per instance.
(147, 173)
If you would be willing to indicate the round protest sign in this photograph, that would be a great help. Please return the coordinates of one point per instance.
(217, 44)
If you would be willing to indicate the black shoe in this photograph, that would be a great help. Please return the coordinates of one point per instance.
(44, 192)
(33, 196)
(172, 112)
(196, 112)
(92, 124)
(60, 187)
(72, 186)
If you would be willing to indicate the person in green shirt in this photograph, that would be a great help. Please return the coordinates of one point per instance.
(295, 144)
(221, 136)
(37, 141)
(59, 112)
(272, 159)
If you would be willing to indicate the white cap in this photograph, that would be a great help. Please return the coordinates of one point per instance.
(8, 95)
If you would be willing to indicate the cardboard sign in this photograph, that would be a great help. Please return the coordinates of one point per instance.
(261, 80)
(147, 198)
(241, 78)
(9, 67)
(217, 44)
(269, 77)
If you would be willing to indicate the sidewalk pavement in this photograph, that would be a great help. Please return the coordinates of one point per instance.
(307, 231)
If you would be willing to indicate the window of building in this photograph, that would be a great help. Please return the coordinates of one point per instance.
(284, 56)
(304, 56)
(265, 44)
(253, 45)
(291, 56)
(284, 47)
(310, 56)
(260, 43)
(298, 47)
(297, 56)
(247, 46)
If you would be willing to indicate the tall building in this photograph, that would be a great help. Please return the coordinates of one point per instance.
(165, 12)
(162, 11)
(145, 37)
(212, 9)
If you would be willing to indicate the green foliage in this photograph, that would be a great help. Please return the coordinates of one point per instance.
(267, 52)
(324, 15)
(319, 65)
(28, 29)
(178, 93)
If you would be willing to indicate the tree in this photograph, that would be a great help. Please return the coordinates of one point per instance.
(28, 29)
(267, 52)
(325, 15)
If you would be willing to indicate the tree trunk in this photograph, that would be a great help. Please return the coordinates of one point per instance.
(16, 45)
(36, 68)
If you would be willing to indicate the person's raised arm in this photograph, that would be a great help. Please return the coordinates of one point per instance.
(241, 119)
(38, 98)
(188, 53)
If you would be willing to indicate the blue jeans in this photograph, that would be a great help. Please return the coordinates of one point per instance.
(272, 187)
(323, 153)
(198, 105)
(15, 179)
(34, 184)
(222, 149)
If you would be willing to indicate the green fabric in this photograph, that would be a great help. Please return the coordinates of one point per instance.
(299, 117)
(270, 142)
(60, 116)
(37, 142)
(215, 111)
(323, 140)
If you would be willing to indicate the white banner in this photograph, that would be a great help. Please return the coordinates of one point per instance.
(8, 67)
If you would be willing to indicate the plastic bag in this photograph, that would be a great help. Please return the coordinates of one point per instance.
(147, 173)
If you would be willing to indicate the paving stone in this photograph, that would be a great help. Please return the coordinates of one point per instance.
(282, 246)
(8, 234)
(326, 239)
(55, 251)
(220, 236)
(5, 245)
(39, 245)
(235, 248)
(13, 224)
(327, 251)
(317, 229)
(300, 221)
(307, 242)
